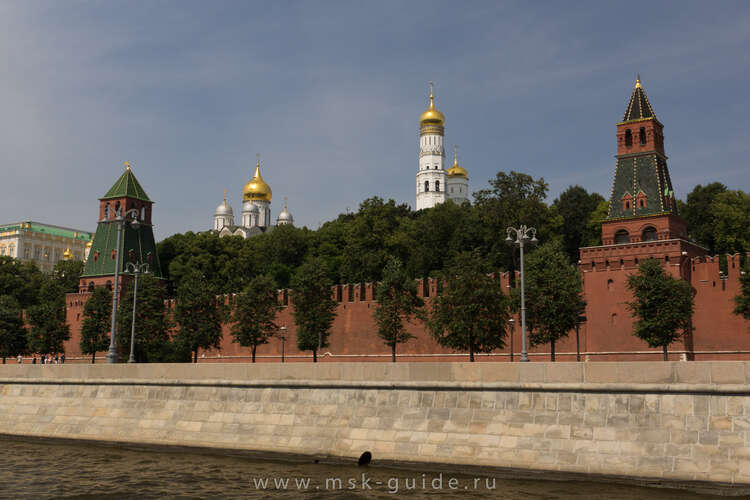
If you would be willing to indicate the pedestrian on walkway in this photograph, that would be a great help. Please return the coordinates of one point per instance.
(62, 359)
(20, 359)
(33, 359)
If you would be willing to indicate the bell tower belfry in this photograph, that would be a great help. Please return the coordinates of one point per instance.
(431, 174)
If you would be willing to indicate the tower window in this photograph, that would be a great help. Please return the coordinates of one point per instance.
(622, 236)
(641, 203)
(628, 138)
(437, 185)
(642, 135)
(426, 186)
(649, 234)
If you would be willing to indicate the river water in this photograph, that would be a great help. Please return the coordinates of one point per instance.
(31, 468)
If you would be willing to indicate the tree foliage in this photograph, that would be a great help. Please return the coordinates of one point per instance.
(730, 212)
(49, 329)
(472, 312)
(314, 308)
(254, 312)
(576, 207)
(698, 214)
(199, 314)
(67, 273)
(397, 304)
(12, 331)
(20, 280)
(152, 324)
(554, 295)
(743, 298)
(662, 305)
(97, 318)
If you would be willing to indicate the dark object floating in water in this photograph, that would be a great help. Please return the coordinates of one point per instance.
(365, 459)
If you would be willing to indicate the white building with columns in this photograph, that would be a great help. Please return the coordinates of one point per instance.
(256, 211)
(435, 184)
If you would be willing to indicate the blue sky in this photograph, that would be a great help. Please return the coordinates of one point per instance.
(329, 94)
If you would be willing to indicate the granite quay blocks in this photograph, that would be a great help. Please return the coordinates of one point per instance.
(676, 420)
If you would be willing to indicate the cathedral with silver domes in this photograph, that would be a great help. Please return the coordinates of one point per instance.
(256, 211)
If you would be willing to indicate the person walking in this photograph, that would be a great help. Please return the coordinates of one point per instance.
(33, 359)
(62, 359)
(41, 359)
(20, 359)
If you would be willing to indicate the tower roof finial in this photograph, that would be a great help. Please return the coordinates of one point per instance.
(225, 196)
(127, 165)
(285, 198)
(432, 97)
(638, 81)
(455, 154)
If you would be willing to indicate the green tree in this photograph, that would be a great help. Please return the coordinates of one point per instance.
(368, 247)
(49, 329)
(699, 216)
(730, 213)
(67, 273)
(397, 303)
(472, 312)
(199, 314)
(151, 321)
(514, 198)
(743, 298)
(575, 205)
(594, 224)
(21, 280)
(314, 309)
(97, 317)
(554, 295)
(12, 331)
(254, 312)
(662, 305)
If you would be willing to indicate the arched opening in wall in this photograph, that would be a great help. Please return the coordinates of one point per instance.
(351, 292)
(628, 138)
(622, 236)
(622, 262)
(610, 285)
(606, 264)
(425, 287)
(108, 285)
(339, 293)
(642, 135)
(91, 286)
(437, 186)
(143, 213)
(285, 297)
(627, 205)
(613, 319)
(649, 233)
(426, 186)
(117, 209)
(106, 211)
(666, 258)
(362, 292)
(636, 261)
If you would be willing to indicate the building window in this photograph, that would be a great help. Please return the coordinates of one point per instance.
(642, 136)
(106, 211)
(628, 138)
(613, 320)
(91, 286)
(437, 185)
(610, 285)
(27, 253)
(622, 236)
(649, 234)
(426, 186)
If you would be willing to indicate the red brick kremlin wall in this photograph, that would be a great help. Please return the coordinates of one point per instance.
(607, 335)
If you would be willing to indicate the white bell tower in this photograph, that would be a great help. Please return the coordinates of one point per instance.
(431, 175)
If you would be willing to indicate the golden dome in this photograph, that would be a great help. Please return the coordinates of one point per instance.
(457, 170)
(432, 116)
(257, 189)
(67, 254)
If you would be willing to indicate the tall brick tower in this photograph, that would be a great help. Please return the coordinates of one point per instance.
(137, 243)
(642, 223)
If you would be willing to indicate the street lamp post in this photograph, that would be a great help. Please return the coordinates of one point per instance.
(579, 320)
(120, 220)
(136, 269)
(523, 234)
(283, 340)
(512, 324)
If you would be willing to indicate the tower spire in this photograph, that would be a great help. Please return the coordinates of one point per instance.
(225, 196)
(127, 165)
(638, 81)
(455, 154)
(432, 97)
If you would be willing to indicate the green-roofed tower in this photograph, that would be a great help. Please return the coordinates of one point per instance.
(137, 242)
(642, 205)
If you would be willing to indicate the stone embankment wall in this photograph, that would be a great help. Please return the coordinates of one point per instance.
(677, 420)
